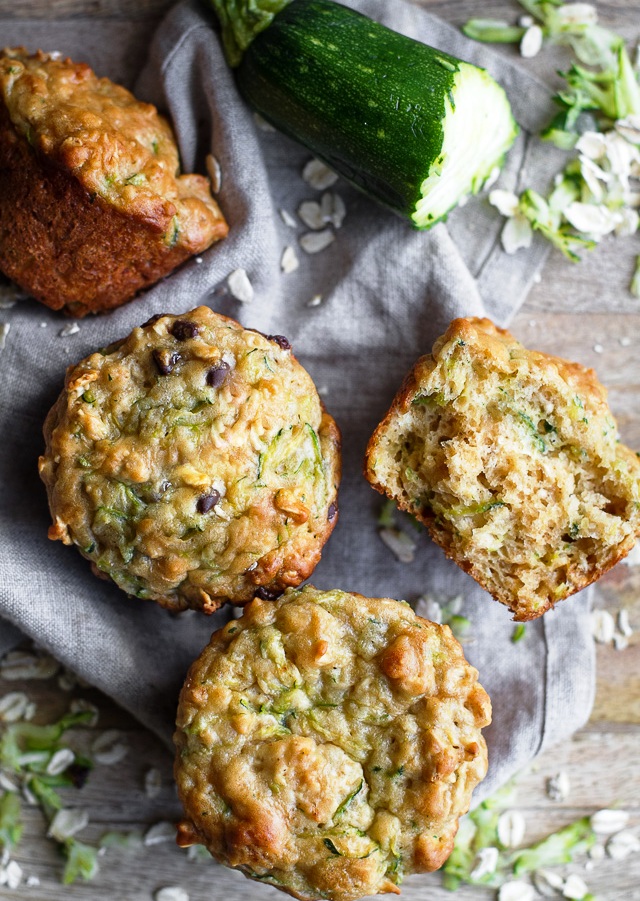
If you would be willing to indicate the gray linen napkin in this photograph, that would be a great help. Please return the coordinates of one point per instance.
(387, 292)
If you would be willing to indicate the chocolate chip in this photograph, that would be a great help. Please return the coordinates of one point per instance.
(207, 502)
(331, 512)
(266, 594)
(280, 340)
(217, 375)
(183, 329)
(165, 360)
(153, 320)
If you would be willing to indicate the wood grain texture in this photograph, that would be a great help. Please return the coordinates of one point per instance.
(583, 312)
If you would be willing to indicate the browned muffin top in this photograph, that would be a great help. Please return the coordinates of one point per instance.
(328, 743)
(118, 148)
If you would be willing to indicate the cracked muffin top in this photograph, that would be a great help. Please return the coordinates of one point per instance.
(327, 744)
(193, 463)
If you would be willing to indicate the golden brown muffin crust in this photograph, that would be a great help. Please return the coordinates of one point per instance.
(328, 742)
(511, 458)
(174, 460)
(92, 204)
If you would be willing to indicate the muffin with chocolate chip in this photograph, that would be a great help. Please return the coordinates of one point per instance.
(193, 463)
(93, 206)
(327, 744)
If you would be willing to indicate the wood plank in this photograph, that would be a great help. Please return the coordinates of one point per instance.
(68, 9)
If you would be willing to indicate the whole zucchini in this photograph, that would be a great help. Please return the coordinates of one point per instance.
(413, 127)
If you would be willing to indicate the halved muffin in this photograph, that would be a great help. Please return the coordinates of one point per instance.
(511, 458)
(93, 207)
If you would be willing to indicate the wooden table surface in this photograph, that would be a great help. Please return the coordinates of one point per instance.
(581, 312)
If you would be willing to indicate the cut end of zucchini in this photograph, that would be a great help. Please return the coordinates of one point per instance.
(478, 129)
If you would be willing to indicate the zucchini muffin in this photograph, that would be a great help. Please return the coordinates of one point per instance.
(92, 204)
(511, 458)
(327, 744)
(193, 463)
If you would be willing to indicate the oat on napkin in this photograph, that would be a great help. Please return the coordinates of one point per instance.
(387, 292)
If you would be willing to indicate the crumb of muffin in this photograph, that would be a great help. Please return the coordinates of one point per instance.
(193, 463)
(93, 207)
(511, 458)
(327, 744)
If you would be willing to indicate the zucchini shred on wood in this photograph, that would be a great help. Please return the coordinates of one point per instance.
(413, 127)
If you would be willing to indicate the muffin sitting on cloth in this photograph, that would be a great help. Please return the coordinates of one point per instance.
(327, 744)
(193, 463)
(92, 205)
(511, 459)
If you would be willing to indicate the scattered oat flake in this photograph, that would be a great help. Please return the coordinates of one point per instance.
(511, 828)
(318, 175)
(152, 783)
(626, 341)
(240, 286)
(558, 786)
(492, 178)
(13, 706)
(79, 705)
(548, 883)
(506, 202)
(590, 219)
(67, 822)
(531, 42)
(333, 209)
(429, 608)
(629, 128)
(516, 891)
(620, 641)
(609, 821)
(623, 623)
(214, 171)
(289, 261)
(6, 784)
(26, 665)
(32, 882)
(310, 213)
(160, 832)
(13, 874)
(575, 888)
(288, 219)
(315, 301)
(171, 893)
(516, 234)
(314, 242)
(598, 348)
(622, 844)
(592, 144)
(28, 795)
(262, 123)
(60, 761)
(72, 328)
(485, 863)
(4, 331)
(401, 544)
(603, 626)
(109, 748)
(628, 222)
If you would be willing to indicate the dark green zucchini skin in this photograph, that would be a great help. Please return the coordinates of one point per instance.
(365, 99)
